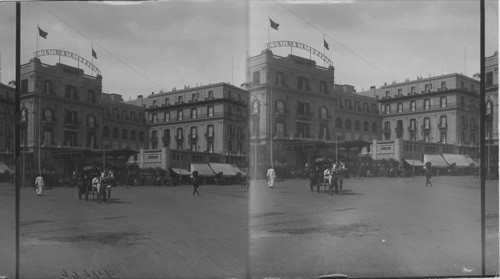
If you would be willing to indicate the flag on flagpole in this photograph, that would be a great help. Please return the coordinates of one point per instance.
(325, 44)
(274, 25)
(42, 33)
(94, 54)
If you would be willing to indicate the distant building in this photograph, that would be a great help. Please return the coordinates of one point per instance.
(66, 118)
(428, 116)
(298, 113)
(203, 124)
(7, 94)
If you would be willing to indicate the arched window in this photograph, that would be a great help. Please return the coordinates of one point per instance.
(357, 125)
(256, 106)
(90, 121)
(338, 123)
(115, 132)
(124, 134)
(133, 135)
(105, 131)
(141, 136)
(323, 113)
(348, 124)
(303, 83)
(24, 115)
(47, 115)
(374, 127)
(366, 126)
(280, 106)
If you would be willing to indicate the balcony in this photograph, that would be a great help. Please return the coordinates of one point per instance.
(193, 136)
(278, 113)
(209, 135)
(165, 139)
(49, 122)
(153, 139)
(93, 126)
(325, 117)
(387, 131)
(305, 115)
(412, 129)
(426, 128)
(72, 124)
(179, 137)
(442, 126)
(399, 131)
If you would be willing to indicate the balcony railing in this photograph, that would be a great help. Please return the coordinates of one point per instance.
(442, 125)
(179, 137)
(425, 127)
(193, 136)
(153, 139)
(165, 139)
(209, 134)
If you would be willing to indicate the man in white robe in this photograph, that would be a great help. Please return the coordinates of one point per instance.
(39, 184)
(271, 175)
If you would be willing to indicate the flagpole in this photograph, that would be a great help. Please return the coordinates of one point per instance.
(268, 36)
(92, 54)
(37, 35)
(324, 65)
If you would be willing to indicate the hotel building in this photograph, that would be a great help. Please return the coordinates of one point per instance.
(7, 94)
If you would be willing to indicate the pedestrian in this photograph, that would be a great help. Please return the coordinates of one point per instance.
(196, 183)
(271, 175)
(428, 176)
(331, 178)
(312, 177)
(341, 169)
(39, 184)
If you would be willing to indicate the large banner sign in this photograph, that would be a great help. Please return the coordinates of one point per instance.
(300, 46)
(65, 53)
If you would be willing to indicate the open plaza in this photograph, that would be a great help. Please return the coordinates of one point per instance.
(379, 227)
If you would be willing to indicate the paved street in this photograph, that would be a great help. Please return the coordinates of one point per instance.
(145, 232)
(379, 227)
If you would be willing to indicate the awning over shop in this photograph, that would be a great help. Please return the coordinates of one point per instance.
(226, 169)
(416, 163)
(204, 170)
(180, 171)
(458, 159)
(437, 161)
(236, 169)
(4, 168)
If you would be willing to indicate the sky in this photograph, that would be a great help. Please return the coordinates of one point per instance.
(152, 46)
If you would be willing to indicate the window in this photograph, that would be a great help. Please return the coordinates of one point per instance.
(356, 106)
(167, 101)
(413, 105)
(133, 116)
(154, 118)
(124, 134)
(91, 121)
(154, 103)
(141, 136)
(179, 115)
(387, 94)
(462, 85)
(124, 115)
(179, 133)
(194, 97)
(47, 115)
(374, 127)
(443, 121)
(194, 132)
(210, 130)
(255, 106)
(400, 92)
(489, 78)
(443, 85)
(387, 109)
(280, 79)
(229, 94)
(115, 132)
(428, 87)
(338, 123)
(24, 86)
(427, 123)
(387, 126)
(413, 124)
(210, 146)
(427, 104)
(105, 131)
(179, 99)
(366, 126)
(443, 102)
(322, 87)
(473, 139)
(194, 113)
(472, 87)
(374, 108)
(91, 96)
(400, 107)
(348, 124)
(280, 128)
(280, 106)
(357, 125)
(462, 121)
(71, 92)
(48, 87)
(133, 135)
(167, 116)
(348, 104)
(210, 111)
(256, 78)
(323, 113)
(412, 90)
(303, 83)
(210, 94)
